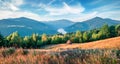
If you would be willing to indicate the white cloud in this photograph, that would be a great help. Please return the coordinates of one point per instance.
(17, 2)
(84, 17)
(12, 14)
(109, 11)
(108, 7)
(66, 9)
(110, 14)
(5, 14)
(12, 5)
(17, 14)
(51, 2)
(10, 9)
(13, 8)
(61, 30)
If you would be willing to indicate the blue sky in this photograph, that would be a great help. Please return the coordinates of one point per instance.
(74, 10)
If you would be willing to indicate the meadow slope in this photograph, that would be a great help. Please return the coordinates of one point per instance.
(66, 53)
(101, 44)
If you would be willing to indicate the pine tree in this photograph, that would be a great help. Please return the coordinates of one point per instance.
(85, 37)
(117, 28)
(104, 32)
(26, 42)
(1, 40)
(113, 32)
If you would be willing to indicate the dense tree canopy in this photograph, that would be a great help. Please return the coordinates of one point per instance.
(36, 40)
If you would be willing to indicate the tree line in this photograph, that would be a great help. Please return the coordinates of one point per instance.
(36, 40)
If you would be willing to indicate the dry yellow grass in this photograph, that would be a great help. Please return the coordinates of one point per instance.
(60, 54)
(107, 43)
(73, 56)
(101, 44)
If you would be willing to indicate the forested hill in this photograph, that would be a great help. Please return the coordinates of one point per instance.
(38, 40)
(26, 26)
(93, 23)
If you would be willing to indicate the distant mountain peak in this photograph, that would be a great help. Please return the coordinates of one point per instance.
(24, 26)
(97, 18)
(25, 18)
(22, 18)
(59, 23)
(93, 23)
(61, 20)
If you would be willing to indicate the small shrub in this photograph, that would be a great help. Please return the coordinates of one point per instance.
(107, 60)
(8, 52)
(25, 52)
(118, 53)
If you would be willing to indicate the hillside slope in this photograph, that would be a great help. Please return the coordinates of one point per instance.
(107, 43)
(93, 23)
(24, 26)
(59, 23)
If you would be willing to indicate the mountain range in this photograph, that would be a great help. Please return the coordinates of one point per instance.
(26, 26)
(59, 23)
(93, 23)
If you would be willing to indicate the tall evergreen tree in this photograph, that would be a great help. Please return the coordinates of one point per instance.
(113, 32)
(1, 40)
(85, 37)
(117, 28)
(104, 32)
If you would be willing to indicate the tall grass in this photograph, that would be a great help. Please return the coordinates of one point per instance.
(68, 56)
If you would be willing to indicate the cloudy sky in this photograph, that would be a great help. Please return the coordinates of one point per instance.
(45, 10)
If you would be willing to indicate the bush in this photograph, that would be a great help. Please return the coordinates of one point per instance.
(25, 52)
(118, 53)
(8, 52)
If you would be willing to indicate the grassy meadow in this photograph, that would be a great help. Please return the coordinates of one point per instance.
(65, 54)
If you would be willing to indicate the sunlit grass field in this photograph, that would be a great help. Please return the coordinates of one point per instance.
(87, 53)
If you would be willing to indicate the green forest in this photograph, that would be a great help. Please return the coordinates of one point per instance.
(37, 40)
